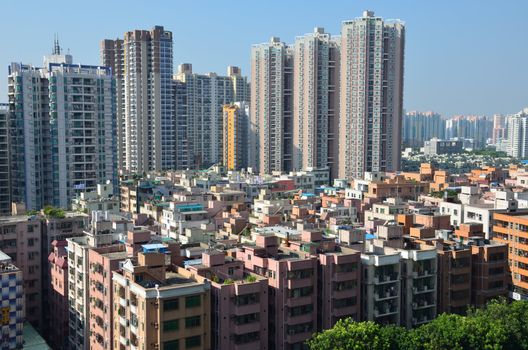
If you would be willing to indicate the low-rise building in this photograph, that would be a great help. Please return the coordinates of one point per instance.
(156, 308)
(11, 304)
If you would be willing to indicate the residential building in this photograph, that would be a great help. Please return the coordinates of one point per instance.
(419, 285)
(500, 129)
(205, 96)
(5, 189)
(511, 228)
(339, 285)
(103, 199)
(58, 319)
(372, 56)
(235, 136)
(272, 89)
(20, 238)
(239, 317)
(158, 308)
(437, 146)
(143, 64)
(517, 139)
(454, 278)
(102, 261)
(490, 271)
(316, 101)
(381, 285)
(419, 127)
(12, 304)
(292, 293)
(72, 144)
(102, 232)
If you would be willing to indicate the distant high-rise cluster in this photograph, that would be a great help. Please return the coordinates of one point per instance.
(419, 127)
(477, 128)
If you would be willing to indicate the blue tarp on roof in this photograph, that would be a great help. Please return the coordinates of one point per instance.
(370, 236)
(155, 247)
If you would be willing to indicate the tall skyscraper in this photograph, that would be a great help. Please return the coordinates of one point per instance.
(272, 106)
(372, 55)
(146, 124)
(62, 130)
(315, 101)
(419, 127)
(235, 135)
(5, 190)
(205, 96)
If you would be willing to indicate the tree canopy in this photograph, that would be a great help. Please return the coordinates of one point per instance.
(499, 325)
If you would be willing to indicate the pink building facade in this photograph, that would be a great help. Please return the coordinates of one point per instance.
(292, 278)
(103, 261)
(58, 296)
(239, 303)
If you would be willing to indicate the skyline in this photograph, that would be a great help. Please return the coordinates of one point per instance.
(437, 78)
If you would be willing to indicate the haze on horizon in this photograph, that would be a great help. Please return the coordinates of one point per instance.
(461, 57)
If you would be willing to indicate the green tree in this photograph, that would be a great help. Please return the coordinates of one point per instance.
(350, 335)
(499, 325)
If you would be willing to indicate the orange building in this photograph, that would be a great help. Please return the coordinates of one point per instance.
(486, 175)
(397, 186)
(512, 228)
(235, 136)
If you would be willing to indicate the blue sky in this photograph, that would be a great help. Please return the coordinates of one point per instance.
(462, 57)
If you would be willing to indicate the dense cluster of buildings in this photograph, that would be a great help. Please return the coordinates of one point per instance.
(143, 209)
(329, 103)
(223, 259)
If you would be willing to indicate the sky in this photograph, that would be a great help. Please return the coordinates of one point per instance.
(461, 56)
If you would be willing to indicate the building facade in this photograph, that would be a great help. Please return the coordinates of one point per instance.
(205, 96)
(174, 309)
(71, 146)
(58, 296)
(372, 55)
(5, 189)
(272, 106)
(143, 65)
(235, 140)
(11, 305)
(315, 101)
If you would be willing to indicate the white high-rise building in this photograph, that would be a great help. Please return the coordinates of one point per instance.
(272, 106)
(517, 143)
(372, 56)
(201, 98)
(315, 101)
(146, 125)
(62, 125)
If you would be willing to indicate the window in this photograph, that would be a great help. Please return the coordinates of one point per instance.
(191, 322)
(169, 305)
(193, 342)
(171, 345)
(193, 301)
(170, 326)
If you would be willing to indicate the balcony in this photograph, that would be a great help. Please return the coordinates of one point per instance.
(246, 328)
(424, 273)
(423, 289)
(386, 278)
(381, 312)
(423, 304)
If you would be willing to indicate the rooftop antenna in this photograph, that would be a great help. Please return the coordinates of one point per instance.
(56, 47)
